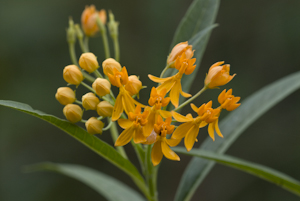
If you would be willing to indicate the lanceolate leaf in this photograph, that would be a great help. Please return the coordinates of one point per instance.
(92, 142)
(231, 127)
(261, 171)
(109, 187)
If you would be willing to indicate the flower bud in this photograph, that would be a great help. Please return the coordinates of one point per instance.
(134, 85)
(94, 126)
(88, 61)
(109, 64)
(89, 20)
(65, 95)
(73, 112)
(72, 75)
(101, 86)
(90, 101)
(71, 32)
(112, 26)
(105, 109)
(218, 75)
(177, 51)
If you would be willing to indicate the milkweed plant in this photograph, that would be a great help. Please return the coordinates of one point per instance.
(155, 128)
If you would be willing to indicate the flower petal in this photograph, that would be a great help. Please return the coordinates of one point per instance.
(148, 128)
(216, 126)
(165, 114)
(182, 130)
(124, 123)
(169, 154)
(211, 131)
(175, 93)
(202, 124)
(138, 136)
(181, 118)
(173, 142)
(190, 138)
(125, 137)
(157, 79)
(156, 153)
(194, 107)
(167, 85)
(118, 108)
(127, 104)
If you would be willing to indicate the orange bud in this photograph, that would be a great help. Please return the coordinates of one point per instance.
(101, 86)
(90, 101)
(178, 50)
(89, 20)
(218, 75)
(72, 75)
(105, 109)
(94, 126)
(134, 85)
(88, 61)
(73, 112)
(65, 95)
(109, 64)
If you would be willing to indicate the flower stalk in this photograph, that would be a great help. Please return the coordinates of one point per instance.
(104, 37)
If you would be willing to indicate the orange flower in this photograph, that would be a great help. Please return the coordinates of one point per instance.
(161, 145)
(123, 101)
(177, 51)
(218, 75)
(173, 83)
(89, 18)
(133, 127)
(228, 101)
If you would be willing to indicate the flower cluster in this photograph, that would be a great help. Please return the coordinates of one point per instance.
(149, 124)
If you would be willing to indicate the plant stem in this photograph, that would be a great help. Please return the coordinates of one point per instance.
(86, 43)
(82, 46)
(117, 48)
(165, 69)
(191, 99)
(88, 87)
(103, 32)
(109, 124)
(151, 175)
(115, 134)
(97, 73)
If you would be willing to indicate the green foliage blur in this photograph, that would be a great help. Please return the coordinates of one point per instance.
(260, 39)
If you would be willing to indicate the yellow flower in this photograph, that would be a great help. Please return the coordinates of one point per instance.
(65, 95)
(173, 83)
(89, 19)
(88, 61)
(109, 64)
(73, 112)
(156, 100)
(190, 128)
(218, 75)
(177, 51)
(124, 101)
(94, 126)
(228, 101)
(133, 127)
(101, 86)
(90, 101)
(72, 75)
(161, 145)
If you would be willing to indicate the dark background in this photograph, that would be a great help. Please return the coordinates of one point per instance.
(260, 39)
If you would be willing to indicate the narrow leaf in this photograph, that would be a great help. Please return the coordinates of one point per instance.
(107, 186)
(92, 142)
(232, 126)
(261, 171)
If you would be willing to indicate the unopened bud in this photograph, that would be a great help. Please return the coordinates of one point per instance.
(88, 61)
(105, 109)
(72, 75)
(90, 101)
(101, 86)
(65, 95)
(134, 85)
(89, 20)
(112, 25)
(71, 33)
(109, 64)
(94, 126)
(73, 112)
(78, 30)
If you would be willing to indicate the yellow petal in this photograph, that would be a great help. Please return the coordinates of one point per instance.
(180, 117)
(169, 154)
(138, 136)
(165, 114)
(216, 125)
(190, 138)
(125, 137)
(174, 94)
(157, 79)
(148, 128)
(173, 142)
(156, 153)
(182, 130)
(124, 123)
(118, 108)
(127, 104)
(166, 85)
(202, 124)
(211, 131)
(194, 107)
(184, 94)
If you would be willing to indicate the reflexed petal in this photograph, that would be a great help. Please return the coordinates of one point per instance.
(156, 153)
(157, 79)
(174, 94)
(194, 107)
(202, 124)
(124, 123)
(233, 107)
(216, 126)
(125, 137)
(173, 142)
(186, 95)
(221, 97)
(148, 128)
(167, 85)
(182, 130)
(190, 138)
(118, 108)
(211, 131)
(180, 117)
(138, 136)
(127, 104)
(165, 114)
(169, 154)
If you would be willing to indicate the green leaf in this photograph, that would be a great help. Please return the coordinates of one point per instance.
(261, 171)
(195, 27)
(107, 186)
(232, 126)
(92, 142)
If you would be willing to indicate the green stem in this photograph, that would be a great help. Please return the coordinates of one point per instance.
(151, 175)
(104, 37)
(82, 46)
(109, 124)
(115, 134)
(98, 74)
(165, 69)
(78, 102)
(86, 43)
(117, 48)
(191, 99)
(88, 87)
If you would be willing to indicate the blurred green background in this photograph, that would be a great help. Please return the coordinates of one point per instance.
(260, 39)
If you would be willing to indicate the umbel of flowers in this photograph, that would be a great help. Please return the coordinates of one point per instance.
(146, 124)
